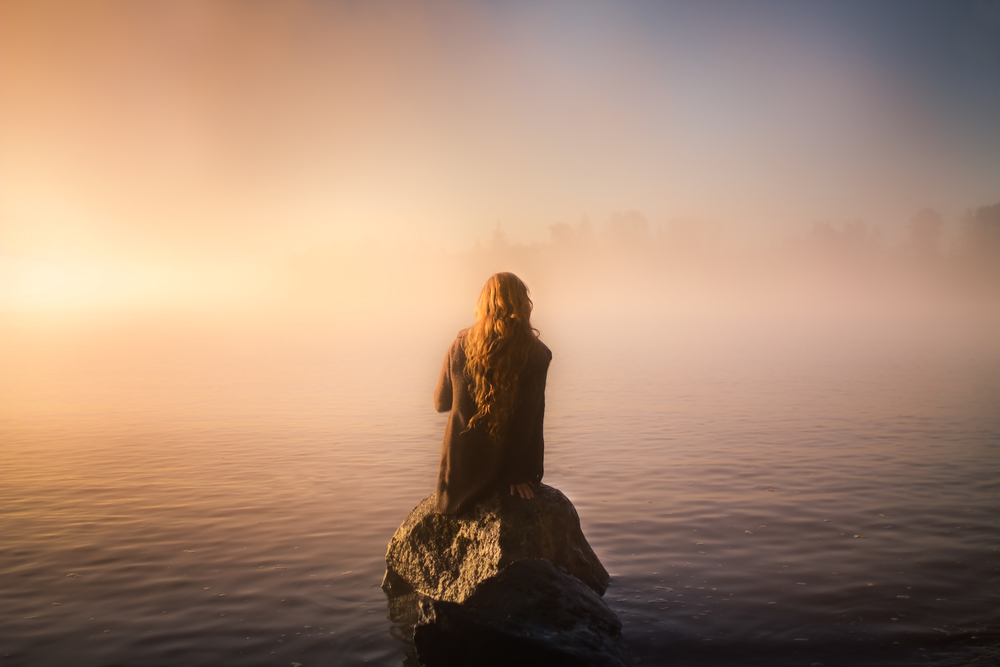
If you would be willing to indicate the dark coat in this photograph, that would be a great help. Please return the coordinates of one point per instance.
(473, 466)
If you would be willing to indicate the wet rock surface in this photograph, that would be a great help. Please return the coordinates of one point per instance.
(445, 557)
(532, 613)
(513, 581)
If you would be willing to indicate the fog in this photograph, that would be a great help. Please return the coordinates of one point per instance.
(251, 181)
(241, 342)
(623, 263)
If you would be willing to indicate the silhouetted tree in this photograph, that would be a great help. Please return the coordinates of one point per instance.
(855, 240)
(925, 234)
(982, 233)
(687, 235)
(565, 236)
(629, 228)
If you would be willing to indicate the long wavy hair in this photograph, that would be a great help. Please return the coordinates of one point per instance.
(496, 350)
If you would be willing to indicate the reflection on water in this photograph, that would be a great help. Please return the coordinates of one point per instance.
(785, 495)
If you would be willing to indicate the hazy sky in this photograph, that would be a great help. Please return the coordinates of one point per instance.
(160, 133)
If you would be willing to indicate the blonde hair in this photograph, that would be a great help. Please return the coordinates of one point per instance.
(496, 350)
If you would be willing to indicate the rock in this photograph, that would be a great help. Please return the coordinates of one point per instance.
(532, 613)
(446, 557)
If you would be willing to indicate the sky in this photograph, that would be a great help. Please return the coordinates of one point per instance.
(159, 147)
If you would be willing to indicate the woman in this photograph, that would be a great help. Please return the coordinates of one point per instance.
(493, 381)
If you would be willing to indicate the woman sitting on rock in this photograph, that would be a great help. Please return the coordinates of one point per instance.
(493, 382)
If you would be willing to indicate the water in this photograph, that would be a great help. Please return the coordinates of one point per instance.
(762, 493)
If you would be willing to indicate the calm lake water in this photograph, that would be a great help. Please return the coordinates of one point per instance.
(774, 493)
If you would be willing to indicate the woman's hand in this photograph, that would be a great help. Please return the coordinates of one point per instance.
(524, 490)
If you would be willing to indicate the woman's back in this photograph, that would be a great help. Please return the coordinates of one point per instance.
(495, 441)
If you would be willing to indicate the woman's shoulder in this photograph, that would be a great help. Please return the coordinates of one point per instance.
(458, 344)
(541, 352)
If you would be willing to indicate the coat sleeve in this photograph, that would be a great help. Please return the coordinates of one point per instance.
(443, 393)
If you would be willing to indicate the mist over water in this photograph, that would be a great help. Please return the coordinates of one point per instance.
(620, 284)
